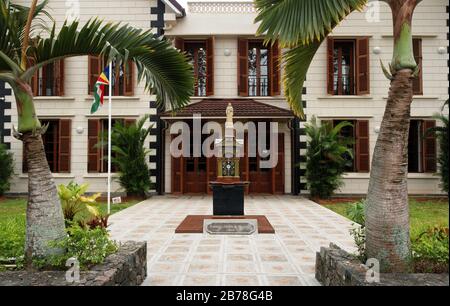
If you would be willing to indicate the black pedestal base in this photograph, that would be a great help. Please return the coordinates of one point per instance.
(228, 199)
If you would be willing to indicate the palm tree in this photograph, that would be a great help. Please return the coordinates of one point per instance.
(164, 70)
(301, 26)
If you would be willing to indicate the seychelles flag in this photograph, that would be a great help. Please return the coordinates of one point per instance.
(99, 89)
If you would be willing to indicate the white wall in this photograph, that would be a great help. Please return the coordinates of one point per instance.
(429, 24)
(77, 101)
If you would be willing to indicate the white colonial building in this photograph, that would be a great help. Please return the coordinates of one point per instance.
(231, 64)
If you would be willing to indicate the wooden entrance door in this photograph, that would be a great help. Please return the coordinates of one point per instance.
(195, 175)
(267, 180)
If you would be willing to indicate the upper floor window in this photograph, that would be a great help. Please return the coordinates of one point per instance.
(201, 54)
(123, 76)
(348, 66)
(258, 68)
(417, 81)
(49, 80)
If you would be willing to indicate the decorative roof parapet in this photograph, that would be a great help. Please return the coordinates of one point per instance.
(218, 7)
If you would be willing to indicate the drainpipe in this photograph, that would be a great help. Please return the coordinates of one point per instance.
(294, 126)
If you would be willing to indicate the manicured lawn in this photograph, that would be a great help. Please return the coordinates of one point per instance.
(13, 220)
(423, 214)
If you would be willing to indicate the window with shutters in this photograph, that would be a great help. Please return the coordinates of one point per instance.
(359, 132)
(201, 53)
(49, 80)
(348, 66)
(258, 68)
(421, 147)
(57, 145)
(123, 76)
(98, 149)
(417, 81)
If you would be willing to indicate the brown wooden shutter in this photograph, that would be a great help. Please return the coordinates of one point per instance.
(42, 86)
(129, 79)
(362, 146)
(429, 147)
(128, 122)
(362, 66)
(24, 159)
(58, 74)
(330, 66)
(417, 82)
(275, 69)
(65, 132)
(95, 69)
(210, 66)
(243, 67)
(179, 43)
(34, 83)
(94, 159)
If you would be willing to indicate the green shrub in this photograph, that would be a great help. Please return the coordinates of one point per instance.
(6, 168)
(325, 157)
(442, 136)
(128, 146)
(430, 251)
(89, 246)
(74, 202)
(356, 212)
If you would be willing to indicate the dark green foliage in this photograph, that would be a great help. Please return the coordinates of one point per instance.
(356, 213)
(89, 246)
(442, 136)
(129, 156)
(325, 157)
(430, 251)
(6, 168)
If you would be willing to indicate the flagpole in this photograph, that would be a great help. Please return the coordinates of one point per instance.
(109, 136)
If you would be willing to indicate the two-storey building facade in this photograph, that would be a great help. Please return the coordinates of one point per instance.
(232, 65)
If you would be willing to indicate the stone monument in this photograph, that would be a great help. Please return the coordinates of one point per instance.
(228, 189)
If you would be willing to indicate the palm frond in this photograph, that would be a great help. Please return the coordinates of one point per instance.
(302, 26)
(295, 22)
(165, 71)
(297, 61)
(13, 18)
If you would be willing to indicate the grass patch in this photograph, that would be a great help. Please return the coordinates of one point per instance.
(423, 214)
(13, 222)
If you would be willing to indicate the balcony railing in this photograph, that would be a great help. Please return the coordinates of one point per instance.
(258, 86)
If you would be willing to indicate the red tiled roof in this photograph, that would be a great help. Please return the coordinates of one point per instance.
(243, 108)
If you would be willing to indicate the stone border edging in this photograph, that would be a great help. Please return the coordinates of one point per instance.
(127, 267)
(336, 267)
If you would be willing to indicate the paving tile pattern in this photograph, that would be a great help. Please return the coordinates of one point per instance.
(285, 258)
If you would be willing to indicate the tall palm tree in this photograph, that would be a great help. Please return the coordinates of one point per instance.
(164, 70)
(301, 26)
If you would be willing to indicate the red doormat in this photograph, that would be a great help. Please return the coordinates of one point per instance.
(193, 224)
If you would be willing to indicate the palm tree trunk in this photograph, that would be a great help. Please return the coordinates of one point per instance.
(45, 221)
(387, 210)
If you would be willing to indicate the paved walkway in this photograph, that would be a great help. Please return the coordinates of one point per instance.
(284, 258)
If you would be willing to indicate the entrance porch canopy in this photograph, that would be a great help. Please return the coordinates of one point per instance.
(216, 109)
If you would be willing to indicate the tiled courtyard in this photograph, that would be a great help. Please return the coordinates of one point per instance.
(284, 258)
